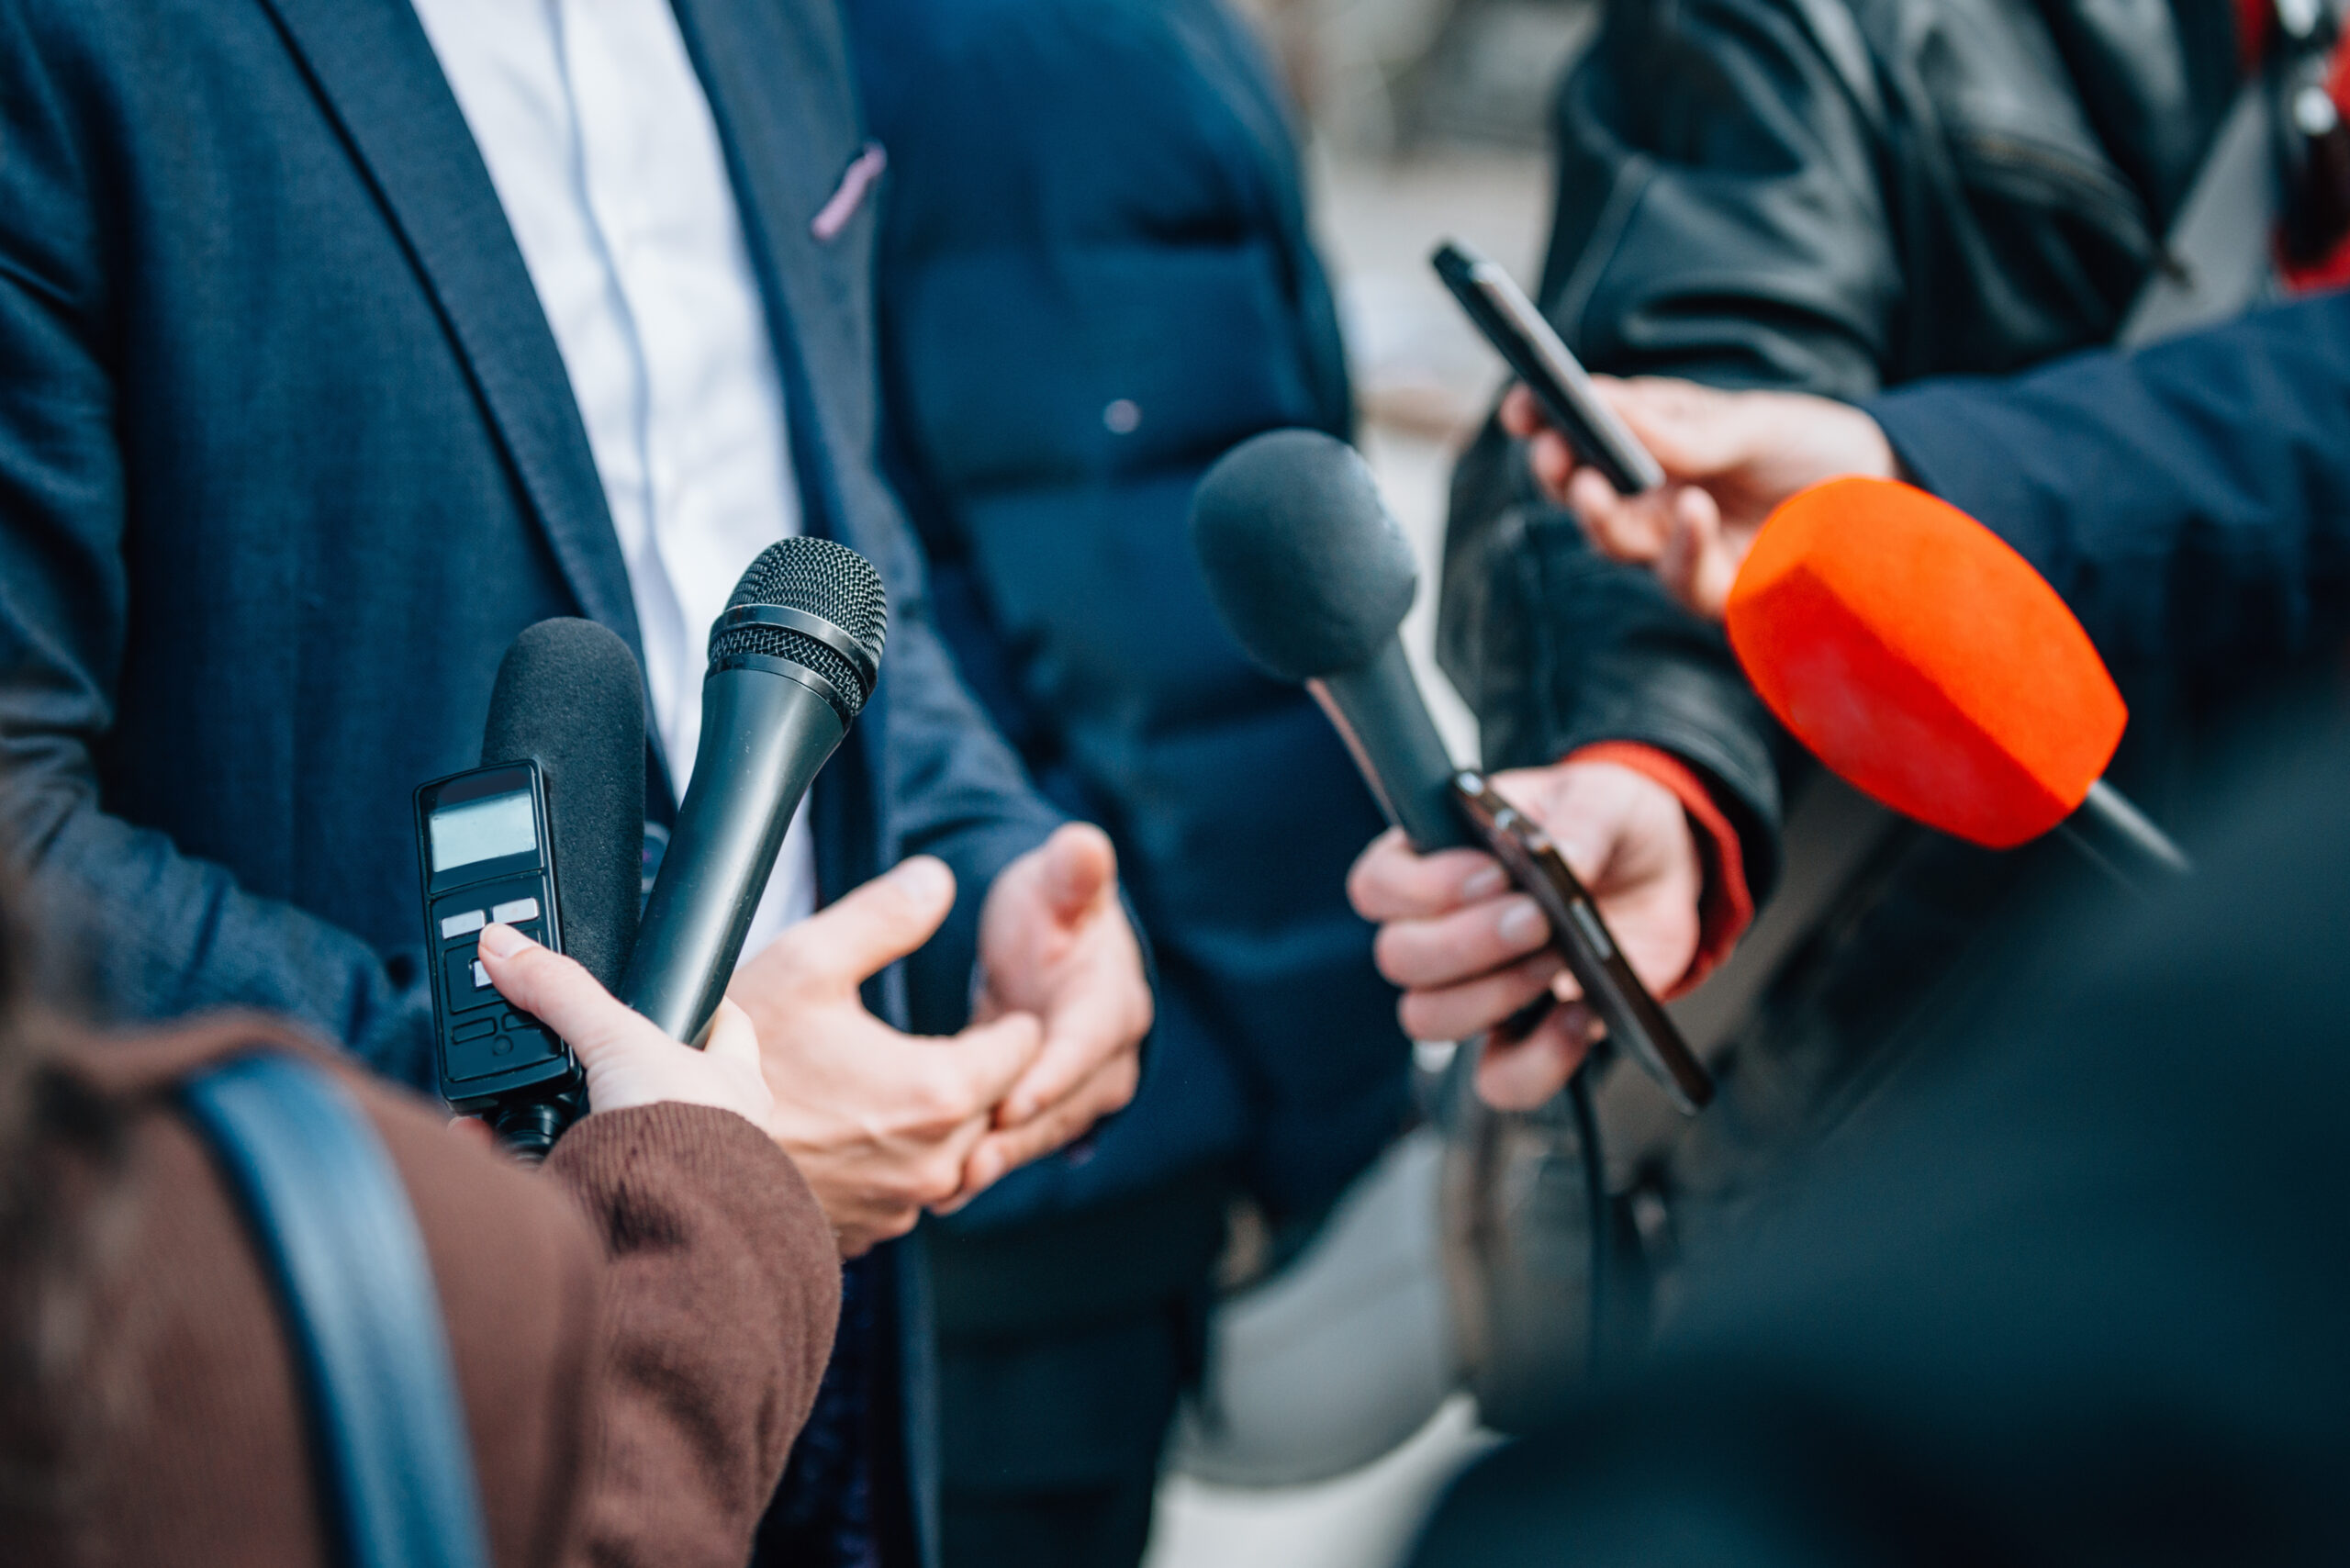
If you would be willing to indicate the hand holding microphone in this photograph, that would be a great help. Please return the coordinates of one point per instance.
(1314, 578)
(629, 1061)
(883, 1123)
(1472, 951)
(1907, 645)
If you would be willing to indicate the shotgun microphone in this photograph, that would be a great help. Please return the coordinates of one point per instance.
(570, 697)
(1313, 578)
(792, 661)
(1914, 651)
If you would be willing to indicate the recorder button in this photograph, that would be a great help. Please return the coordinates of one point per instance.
(466, 981)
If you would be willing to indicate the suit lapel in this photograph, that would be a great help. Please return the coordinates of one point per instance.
(372, 64)
(776, 76)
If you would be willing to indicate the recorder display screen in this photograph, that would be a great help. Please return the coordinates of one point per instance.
(483, 830)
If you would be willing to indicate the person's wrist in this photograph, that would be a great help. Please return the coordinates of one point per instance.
(1725, 901)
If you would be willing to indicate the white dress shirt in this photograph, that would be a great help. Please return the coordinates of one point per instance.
(601, 146)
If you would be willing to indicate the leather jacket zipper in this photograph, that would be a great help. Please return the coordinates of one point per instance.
(2028, 169)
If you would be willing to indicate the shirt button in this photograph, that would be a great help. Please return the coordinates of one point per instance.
(1122, 416)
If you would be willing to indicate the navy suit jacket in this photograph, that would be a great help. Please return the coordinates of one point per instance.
(2191, 500)
(287, 455)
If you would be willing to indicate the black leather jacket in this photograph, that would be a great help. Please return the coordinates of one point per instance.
(1830, 195)
(1842, 195)
(1834, 196)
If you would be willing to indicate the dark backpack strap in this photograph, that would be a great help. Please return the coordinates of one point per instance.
(333, 1219)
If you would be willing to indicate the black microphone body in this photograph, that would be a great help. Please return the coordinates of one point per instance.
(791, 664)
(2123, 842)
(1379, 712)
(569, 696)
(768, 736)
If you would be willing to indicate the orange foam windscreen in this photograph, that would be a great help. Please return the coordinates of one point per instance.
(1925, 661)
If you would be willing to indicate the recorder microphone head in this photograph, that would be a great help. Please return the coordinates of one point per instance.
(814, 604)
(1309, 572)
(1916, 654)
(569, 696)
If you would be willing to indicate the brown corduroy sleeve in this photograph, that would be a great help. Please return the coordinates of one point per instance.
(721, 1294)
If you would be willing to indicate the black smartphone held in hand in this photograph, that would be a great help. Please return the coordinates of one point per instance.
(1518, 333)
(1634, 1020)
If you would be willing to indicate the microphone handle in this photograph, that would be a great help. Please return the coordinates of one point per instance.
(2124, 843)
(1379, 713)
(764, 735)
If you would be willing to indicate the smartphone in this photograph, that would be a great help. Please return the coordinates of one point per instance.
(1557, 381)
(1634, 1020)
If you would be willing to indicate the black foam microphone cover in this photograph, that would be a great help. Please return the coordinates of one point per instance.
(1308, 568)
(570, 696)
(1312, 578)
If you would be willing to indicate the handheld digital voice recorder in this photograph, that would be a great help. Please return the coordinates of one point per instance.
(483, 838)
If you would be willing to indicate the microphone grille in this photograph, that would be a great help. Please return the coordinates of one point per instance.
(823, 578)
(817, 577)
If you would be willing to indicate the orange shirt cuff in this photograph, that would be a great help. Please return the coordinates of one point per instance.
(1726, 908)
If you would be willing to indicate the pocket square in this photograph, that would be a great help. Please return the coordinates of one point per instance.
(855, 180)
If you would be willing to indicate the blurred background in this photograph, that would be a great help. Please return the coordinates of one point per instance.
(1426, 120)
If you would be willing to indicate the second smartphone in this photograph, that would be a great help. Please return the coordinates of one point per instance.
(1520, 334)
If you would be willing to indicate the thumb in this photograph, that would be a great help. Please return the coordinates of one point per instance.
(870, 928)
(1724, 556)
(1577, 805)
(991, 1057)
(732, 1036)
(1691, 430)
(557, 991)
(1080, 867)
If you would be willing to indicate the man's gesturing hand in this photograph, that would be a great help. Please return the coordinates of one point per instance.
(1729, 458)
(1054, 942)
(1469, 951)
(881, 1122)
